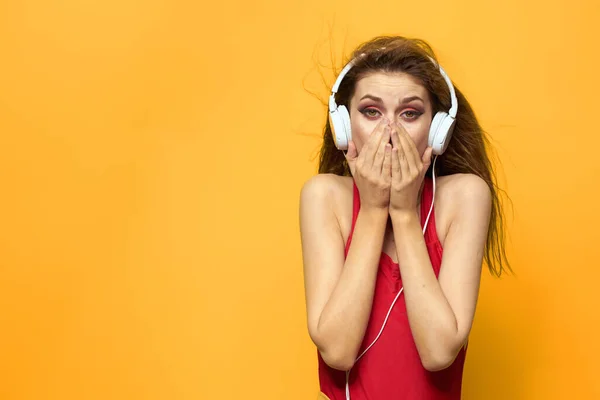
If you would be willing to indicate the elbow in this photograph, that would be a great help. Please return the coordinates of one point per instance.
(440, 354)
(335, 354)
(437, 361)
(339, 360)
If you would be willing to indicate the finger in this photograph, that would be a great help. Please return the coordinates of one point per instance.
(408, 145)
(396, 170)
(386, 169)
(380, 155)
(427, 158)
(395, 138)
(372, 144)
(409, 150)
(351, 156)
(402, 160)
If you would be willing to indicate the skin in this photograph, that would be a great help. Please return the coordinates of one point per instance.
(388, 167)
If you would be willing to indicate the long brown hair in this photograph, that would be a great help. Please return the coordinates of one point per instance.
(467, 151)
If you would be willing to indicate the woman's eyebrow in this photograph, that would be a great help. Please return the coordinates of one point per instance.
(407, 99)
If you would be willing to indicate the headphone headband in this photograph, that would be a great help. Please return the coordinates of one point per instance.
(338, 81)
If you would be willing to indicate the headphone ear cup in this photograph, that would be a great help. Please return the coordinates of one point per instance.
(336, 129)
(440, 131)
(345, 118)
(340, 127)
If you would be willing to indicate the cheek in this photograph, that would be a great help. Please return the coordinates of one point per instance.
(420, 135)
(361, 130)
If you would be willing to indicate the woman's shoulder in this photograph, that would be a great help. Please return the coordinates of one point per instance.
(459, 193)
(327, 186)
(332, 191)
(458, 188)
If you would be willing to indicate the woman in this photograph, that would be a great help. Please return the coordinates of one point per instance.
(392, 282)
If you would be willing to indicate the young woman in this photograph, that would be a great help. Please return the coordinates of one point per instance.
(392, 282)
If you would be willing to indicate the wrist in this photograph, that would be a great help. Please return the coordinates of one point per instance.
(404, 215)
(375, 212)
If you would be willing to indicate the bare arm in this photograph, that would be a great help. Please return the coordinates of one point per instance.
(440, 312)
(339, 294)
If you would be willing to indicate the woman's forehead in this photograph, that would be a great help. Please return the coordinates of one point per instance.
(388, 84)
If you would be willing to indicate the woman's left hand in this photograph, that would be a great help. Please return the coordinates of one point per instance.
(408, 170)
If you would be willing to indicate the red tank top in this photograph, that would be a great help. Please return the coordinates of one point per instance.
(392, 369)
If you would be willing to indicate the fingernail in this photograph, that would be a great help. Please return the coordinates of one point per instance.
(385, 120)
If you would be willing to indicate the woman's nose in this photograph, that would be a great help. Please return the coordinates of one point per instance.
(394, 119)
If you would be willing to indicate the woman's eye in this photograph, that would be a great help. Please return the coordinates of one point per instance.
(370, 112)
(411, 114)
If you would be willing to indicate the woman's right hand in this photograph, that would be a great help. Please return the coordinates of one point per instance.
(372, 168)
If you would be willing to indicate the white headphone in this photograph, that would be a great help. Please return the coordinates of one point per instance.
(440, 130)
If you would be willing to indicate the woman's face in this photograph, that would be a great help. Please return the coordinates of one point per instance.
(397, 96)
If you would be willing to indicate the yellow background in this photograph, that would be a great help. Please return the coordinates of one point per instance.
(151, 157)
